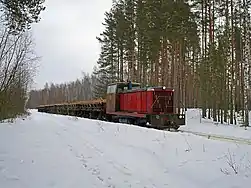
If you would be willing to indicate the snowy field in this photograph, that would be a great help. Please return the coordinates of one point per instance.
(196, 124)
(48, 150)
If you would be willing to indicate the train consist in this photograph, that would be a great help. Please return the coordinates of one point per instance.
(127, 103)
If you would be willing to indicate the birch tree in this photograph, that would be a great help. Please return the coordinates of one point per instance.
(17, 65)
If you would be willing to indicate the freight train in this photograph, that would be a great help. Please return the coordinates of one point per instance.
(127, 103)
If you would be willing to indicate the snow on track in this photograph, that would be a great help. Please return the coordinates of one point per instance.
(48, 150)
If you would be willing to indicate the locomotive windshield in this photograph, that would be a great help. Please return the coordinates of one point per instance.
(122, 86)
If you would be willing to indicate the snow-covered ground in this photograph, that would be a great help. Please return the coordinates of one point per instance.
(47, 150)
(196, 124)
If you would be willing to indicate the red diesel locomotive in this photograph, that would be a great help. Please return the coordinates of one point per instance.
(142, 106)
(150, 106)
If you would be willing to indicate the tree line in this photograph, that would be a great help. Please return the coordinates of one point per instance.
(78, 90)
(17, 58)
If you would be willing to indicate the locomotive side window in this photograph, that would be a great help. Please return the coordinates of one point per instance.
(108, 89)
(111, 89)
(121, 88)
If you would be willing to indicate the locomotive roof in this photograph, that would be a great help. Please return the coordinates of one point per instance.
(123, 83)
(145, 89)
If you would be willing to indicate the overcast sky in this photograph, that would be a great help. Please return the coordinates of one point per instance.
(66, 38)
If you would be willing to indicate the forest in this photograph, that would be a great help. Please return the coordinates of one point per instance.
(201, 48)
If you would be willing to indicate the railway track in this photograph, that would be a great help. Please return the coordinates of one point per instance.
(211, 136)
(219, 137)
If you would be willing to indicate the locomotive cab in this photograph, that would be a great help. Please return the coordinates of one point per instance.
(112, 97)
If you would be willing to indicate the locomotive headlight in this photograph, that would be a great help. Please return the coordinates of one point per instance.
(164, 87)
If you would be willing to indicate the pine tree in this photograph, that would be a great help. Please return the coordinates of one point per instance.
(197, 47)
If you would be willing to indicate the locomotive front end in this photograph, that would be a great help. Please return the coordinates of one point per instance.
(164, 110)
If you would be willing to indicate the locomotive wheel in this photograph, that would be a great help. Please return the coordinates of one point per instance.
(167, 126)
(173, 126)
(143, 125)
